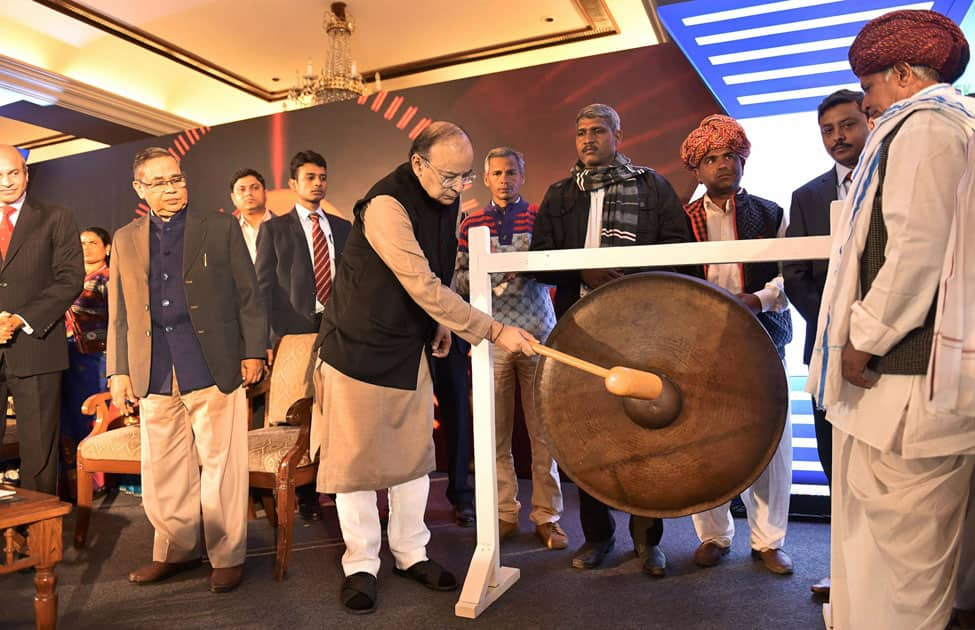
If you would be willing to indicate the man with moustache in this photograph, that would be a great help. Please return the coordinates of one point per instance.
(716, 152)
(41, 273)
(896, 328)
(186, 329)
(391, 305)
(606, 202)
(518, 300)
(843, 128)
(296, 254)
(249, 194)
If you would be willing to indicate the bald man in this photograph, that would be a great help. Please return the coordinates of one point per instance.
(390, 309)
(41, 274)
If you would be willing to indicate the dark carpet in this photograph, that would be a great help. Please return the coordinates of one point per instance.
(94, 591)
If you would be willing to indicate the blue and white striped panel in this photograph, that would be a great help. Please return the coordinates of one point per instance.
(768, 57)
(807, 472)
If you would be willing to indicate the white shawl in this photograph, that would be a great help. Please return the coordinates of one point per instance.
(951, 373)
(826, 381)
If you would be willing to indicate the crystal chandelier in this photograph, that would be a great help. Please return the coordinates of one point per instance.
(338, 80)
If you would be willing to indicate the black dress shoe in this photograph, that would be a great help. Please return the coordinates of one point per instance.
(429, 574)
(592, 554)
(464, 516)
(359, 593)
(655, 562)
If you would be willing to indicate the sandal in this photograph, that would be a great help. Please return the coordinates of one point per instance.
(359, 593)
(429, 574)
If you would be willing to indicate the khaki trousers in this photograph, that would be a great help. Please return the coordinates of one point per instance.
(510, 369)
(194, 461)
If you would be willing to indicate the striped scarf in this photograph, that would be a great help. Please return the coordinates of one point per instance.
(826, 381)
(621, 205)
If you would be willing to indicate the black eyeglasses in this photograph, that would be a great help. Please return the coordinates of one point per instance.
(177, 181)
(464, 179)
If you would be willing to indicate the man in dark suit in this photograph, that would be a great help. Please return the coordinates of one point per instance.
(186, 329)
(41, 274)
(294, 275)
(296, 254)
(844, 131)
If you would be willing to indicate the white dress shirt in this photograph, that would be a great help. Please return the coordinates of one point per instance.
(730, 276)
(250, 232)
(842, 187)
(303, 214)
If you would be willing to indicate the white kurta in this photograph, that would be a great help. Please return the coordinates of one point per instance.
(903, 478)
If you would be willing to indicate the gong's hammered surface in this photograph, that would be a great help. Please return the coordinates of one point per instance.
(732, 383)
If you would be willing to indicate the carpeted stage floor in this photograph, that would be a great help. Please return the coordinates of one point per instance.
(95, 593)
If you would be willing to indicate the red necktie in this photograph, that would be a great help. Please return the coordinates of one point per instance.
(6, 230)
(323, 266)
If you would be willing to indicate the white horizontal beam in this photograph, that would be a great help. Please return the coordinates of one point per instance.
(756, 250)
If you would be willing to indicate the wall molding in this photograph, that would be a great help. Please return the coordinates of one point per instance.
(48, 88)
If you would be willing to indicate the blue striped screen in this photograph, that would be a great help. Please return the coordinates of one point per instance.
(769, 57)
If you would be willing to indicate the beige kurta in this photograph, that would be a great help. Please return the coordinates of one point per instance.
(374, 437)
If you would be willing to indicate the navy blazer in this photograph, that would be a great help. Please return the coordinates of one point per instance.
(43, 273)
(285, 275)
(805, 279)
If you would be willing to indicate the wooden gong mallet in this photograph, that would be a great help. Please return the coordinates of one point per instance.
(651, 400)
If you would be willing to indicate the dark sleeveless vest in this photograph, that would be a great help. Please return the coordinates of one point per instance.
(372, 330)
(910, 355)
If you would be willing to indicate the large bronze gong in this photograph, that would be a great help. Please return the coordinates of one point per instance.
(673, 457)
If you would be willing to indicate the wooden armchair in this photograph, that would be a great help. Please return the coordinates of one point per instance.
(278, 458)
(113, 446)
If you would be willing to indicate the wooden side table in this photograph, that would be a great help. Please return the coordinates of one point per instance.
(41, 548)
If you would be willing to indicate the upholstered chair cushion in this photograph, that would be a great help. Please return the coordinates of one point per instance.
(117, 444)
(267, 447)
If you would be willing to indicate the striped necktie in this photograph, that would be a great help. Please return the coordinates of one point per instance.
(323, 266)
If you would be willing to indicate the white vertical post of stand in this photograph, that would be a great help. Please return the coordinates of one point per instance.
(486, 579)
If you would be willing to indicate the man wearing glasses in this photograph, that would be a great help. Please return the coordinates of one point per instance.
(186, 329)
(607, 202)
(391, 307)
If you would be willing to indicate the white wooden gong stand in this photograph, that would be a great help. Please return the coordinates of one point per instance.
(486, 579)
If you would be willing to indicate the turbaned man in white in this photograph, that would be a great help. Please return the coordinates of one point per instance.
(902, 469)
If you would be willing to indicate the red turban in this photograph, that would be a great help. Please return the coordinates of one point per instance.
(714, 132)
(920, 38)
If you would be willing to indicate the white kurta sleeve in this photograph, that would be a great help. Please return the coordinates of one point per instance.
(389, 231)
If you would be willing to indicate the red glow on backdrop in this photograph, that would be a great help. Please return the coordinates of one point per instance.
(277, 148)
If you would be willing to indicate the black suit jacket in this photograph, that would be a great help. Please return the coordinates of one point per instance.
(805, 279)
(221, 296)
(41, 276)
(285, 274)
(563, 219)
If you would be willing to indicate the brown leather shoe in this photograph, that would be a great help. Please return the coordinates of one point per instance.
(775, 560)
(159, 571)
(226, 579)
(709, 554)
(506, 529)
(821, 587)
(552, 535)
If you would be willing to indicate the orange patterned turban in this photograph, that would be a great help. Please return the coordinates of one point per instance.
(714, 132)
(920, 38)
